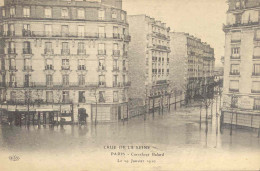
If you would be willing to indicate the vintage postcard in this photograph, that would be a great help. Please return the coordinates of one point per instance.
(89, 85)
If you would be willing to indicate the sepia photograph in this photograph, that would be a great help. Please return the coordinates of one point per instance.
(129, 85)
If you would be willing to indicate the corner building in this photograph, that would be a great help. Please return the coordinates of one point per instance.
(61, 58)
(241, 93)
(149, 64)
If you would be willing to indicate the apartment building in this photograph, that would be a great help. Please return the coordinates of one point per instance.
(192, 64)
(149, 61)
(61, 58)
(242, 64)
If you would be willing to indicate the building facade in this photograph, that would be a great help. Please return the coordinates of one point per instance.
(242, 64)
(149, 61)
(65, 57)
(192, 64)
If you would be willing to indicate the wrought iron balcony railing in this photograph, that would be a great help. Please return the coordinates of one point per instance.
(116, 52)
(102, 52)
(65, 51)
(48, 51)
(27, 51)
(49, 67)
(234, 73)
(11, 50)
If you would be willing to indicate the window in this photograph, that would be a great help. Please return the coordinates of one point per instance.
(12, 64)
(3, 12)
(115, 33)
(114, 15)
(101, 14)
(65, 48)
(101, 49)
(65, 97)
(65, 64)
(48, 29)
(236, 36)
(82, 97)
(256, 87)
(256, 70)
(27, 48)
(81, 48)
(49, 80)
(11, 48)
(82, 64)
(26, 11)
(12, 80)
(115, 96)
(81, 80)
(12, 11)
(235, 52)
(257, 34)
(81, 13)
(115, 64)
(122, 16)
(101, 80)
(234, 69)
(124, 79)
(234, 101)
(101, 65)
(27, 64)
(256, 52)
(115, 80)
(124, 65)
(64, 13)
(27, 79)
(81, 31)
(48, 48)
(101, 96)
(49, 64)
(65, 30)
(257, 104)
(101, 32)
(65, 79)
(48, 12)
(13, 96)
(11, 31)
(234, 85)
(49, 96)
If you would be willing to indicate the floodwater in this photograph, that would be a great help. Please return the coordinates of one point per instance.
(178, 134)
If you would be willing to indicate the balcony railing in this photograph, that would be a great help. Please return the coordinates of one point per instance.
(125, 53)
(27, 51)
(255, 91)
(234, 73)
(115, 68)
(48, 51)
(234, 57)
(49, 67)
(82, 67)
(102, 83)
(236, 41)
(65, 67)
(101, 68)
(12, 68)
(116, 52)
(127, 83)
(27, 33)
(12, 84)
(102, 52)
(10, 33)
(81, 51)
(27, 68)
(161, 47)
(256, 57)
(255, 74)
(116, 35)
(233, 90)
(11, 50)
(256, 107)
(65, 51)
(29, 84)
(102, 35)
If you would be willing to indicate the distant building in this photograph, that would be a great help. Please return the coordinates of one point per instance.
(192, 64)
(242, 64)
(60, 57)
(149, 60)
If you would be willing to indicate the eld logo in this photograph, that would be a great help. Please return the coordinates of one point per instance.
(14, 158)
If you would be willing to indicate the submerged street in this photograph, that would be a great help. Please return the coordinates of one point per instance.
(176, 134)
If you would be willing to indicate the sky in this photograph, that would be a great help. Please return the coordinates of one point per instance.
(201, 18)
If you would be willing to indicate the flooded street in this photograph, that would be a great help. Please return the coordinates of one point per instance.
(177, 134)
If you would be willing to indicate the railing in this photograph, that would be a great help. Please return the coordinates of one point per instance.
(116, 36)
(234, 73)
(256, 57)
(236, 41)
(162, 47)
(27, 68)
(81, 51)
(12, 67)
(102, 52)
(256, 107)
(125, 53)
(102, 35)
(49, 67)
(27, 51)
(127, 83)
(116, 52)
(102, 83)
(115, 68)
(233, 90)
(11, 50)
(65, 51)
(48, 51)
(101, 68)
(255, 74)
(81, 67)
(29, 84)
(27, 33)
(234, 57)
(240, 24)
(12, 84)
(65, 67)
(10, 33)
(255, 91)
(124, 68)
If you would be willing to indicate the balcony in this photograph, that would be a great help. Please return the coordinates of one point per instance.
(115, 69)
(101, 52)
(102, 35)
(101, 84)
(127, 84)
(125, 53)
(116, 36)
(49, 67)
(81, 67)
(255, 91)
(116, 52)
(27, 51)
(233, 90)
(27, 68)
(12, 84)
(116, 84)
(10, 33)
(65, 67)
(127, 38)
(256, 57)
(234, 73)
(48, 51)
(11, 51)
(27, 33)
(256, 107)
(124, 68)
(234, 57)
(29, 84)
(239, 24)
(101, 68)
(161, 47)
(160, 35)
(12, 68)
(236, 41)
(255, 74)
(65, 51)
(81, 51)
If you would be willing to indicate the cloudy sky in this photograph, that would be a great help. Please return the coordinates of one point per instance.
(201, 18)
